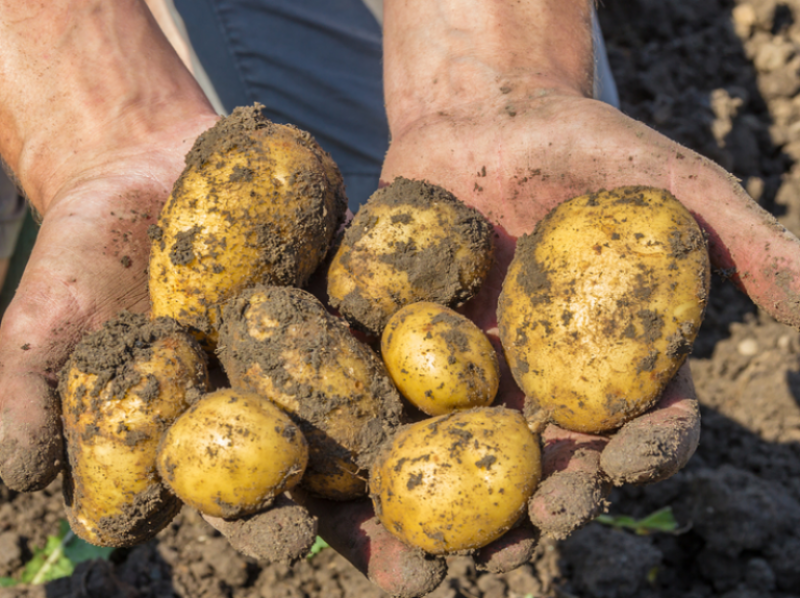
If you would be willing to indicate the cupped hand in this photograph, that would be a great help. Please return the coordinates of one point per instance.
(514, 160)
(89, 263)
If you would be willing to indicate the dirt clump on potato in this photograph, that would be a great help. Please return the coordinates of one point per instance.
(601, 305)
(258, 202)
(412, 241)
(281, 343)
(120, 390)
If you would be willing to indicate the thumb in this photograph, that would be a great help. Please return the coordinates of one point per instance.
(31, 447)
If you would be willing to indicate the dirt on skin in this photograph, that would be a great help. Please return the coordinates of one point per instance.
(721, 77)
(281, 342)
(446, 262)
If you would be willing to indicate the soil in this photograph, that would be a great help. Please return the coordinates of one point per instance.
(720, 76)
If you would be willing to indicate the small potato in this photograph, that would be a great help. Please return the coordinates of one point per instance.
(458, 481)
(439, 360)
(258, 202)
(412, 241)
(120, 390)
(601, 305)
(282, 343)
(231, 454)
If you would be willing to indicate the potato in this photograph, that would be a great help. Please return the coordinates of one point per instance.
(258, 202)
(457, 481)
(231, 454)
(601, 305)
(412, 241)
(438, 359)
(283, 344)
(120, 390)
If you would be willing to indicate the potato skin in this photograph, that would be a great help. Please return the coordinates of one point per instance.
(281, 343)
(231, 454)
(120, 390)
(438, 359)
(258, 202)
(457, 481)
(412, 241)
(601, 305)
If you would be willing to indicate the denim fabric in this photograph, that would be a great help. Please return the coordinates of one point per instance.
(313, 63)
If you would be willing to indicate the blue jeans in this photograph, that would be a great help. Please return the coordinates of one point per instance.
(315, 64)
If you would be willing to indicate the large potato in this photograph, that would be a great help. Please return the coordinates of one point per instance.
(231, 454)
(283, 344)
(601, 305)
(120, 390)
(258, 202)
(412, 241)
(458, 481)
(438, 359)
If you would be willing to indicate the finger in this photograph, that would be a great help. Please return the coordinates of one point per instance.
(515, 548)
(657, 444)
(353, 530)
(284, 532)
(573, 490)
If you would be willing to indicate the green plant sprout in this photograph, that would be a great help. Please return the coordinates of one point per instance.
(662, 521)
(318, 546)
(58, 558)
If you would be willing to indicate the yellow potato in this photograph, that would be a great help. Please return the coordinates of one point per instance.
(258, 202)
(120, 390)
(438, 359)
(283, 344)
(231, 454)
(412, 241)
(458, 481)
(601, 305)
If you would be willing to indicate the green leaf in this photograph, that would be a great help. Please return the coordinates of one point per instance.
(57, 559)
(78, 550)
(660, 521)
(318, 546)
(48, 563)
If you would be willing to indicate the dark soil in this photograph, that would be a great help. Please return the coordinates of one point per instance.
(720, 76)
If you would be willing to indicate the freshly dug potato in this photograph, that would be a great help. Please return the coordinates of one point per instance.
(120, 390)
(412, 241)
(283, 344)
(438, 359)
(258, 202)
(601, 305)
(457, 481)
(231, 454)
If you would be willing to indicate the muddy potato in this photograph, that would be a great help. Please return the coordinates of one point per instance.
(438, 359)
(601, 305)
(258, 202)
(412, 241)
(120, 390)
(283, 344)
(457, 481)
(231, 454)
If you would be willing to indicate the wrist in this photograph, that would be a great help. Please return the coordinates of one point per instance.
(91, 83)
(480, 56)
